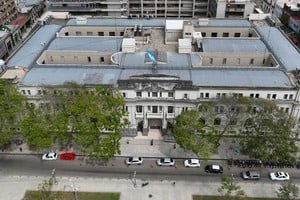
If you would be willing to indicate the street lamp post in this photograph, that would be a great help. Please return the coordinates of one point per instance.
(74, 189)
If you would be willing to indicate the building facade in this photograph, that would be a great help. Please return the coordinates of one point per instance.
(155, 9)
(8, 11)
(162, 67)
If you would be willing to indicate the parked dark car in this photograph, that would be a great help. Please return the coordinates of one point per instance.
(216, 169)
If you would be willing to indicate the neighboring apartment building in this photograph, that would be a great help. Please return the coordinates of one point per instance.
(190, 62)
(8, 11)
(156, 9)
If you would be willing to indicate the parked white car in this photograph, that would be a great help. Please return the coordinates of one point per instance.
(134, 160)
(192, 163)
(279, 176)
(165, 162)
(50, 156)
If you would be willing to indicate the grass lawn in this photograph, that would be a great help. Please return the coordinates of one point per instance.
(198, 197)
(59, 195)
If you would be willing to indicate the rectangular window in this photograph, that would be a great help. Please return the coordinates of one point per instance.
(211, 61)
(291, 97)
(201, 95)
(139, 109)
(256, 95)
(274, 96)
(149, 95)
(287, 110)
(29, 92)
(203, 34)
(89, 33)
(170, 109)
(185, 96)
(154, 109)
(251, 95)
(51, 59)
(218, 95)
(101, 59)
(214, 34)
(223, 95)
(170, 94)
(237, 34)
(154, 94)
(224, 61)
(100, 34)
(39, 92)
(268, 96)
(207, 95)
(238, 61)
(251, 61)
(75, 59)
(121, 33)
(62, 59)
(225, 34)
(124, 94)
(111, 33)
(138, 94)
(89, 59)
(285, 96)
(23, 92)
(78, 33)
(160, 94)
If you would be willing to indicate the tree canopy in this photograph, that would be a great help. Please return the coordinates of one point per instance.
(288, 191)
(89, 118)
(189, 132)
(263, 130)
(11, 108)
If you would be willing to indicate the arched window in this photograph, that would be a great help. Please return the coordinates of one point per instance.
(217, 121)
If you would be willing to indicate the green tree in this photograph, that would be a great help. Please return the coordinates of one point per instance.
(285, 19)
(189, 132)
(230, 188)
(11, 108)
(288, 191)
(269, 134)
(73, 114)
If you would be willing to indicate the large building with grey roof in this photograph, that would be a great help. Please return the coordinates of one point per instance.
(162, 67)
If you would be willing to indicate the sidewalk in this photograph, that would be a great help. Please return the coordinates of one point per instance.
(13, 188)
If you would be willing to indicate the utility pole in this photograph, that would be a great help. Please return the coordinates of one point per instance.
(53, 178)
(134, 178)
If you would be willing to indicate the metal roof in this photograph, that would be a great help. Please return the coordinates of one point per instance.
(102, 44)
(60, 75)
(233, 45)
(238, 77)
(29, 53)
(284, 51)
(222, 23)
(158, 22)
(225, 77)
(120, 22)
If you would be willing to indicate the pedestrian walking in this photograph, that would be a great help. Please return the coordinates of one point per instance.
(173, 183)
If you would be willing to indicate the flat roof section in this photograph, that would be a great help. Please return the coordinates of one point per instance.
(101, 44)
(222, 23)
(120, 22)
(241, 78)
(29, 53)
(233, 45)
(282, 49)
(61, 75)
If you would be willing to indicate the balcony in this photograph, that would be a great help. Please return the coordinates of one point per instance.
(170, 115)
(154, 115)
(139, 115)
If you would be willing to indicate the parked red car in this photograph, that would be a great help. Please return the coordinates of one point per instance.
(67, 156)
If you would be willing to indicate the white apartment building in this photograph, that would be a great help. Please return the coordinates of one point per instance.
(155, 9)
(194, 61)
